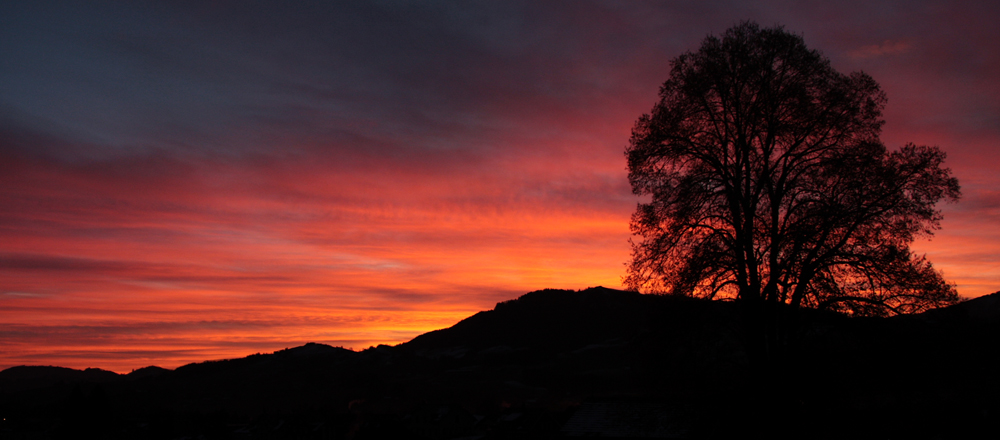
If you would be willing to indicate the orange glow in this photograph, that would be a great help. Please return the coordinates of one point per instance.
(118, 275)
(123, 271)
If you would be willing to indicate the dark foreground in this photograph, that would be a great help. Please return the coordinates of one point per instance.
(599, 362)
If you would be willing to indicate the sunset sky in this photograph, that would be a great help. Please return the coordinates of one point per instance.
(184, 181)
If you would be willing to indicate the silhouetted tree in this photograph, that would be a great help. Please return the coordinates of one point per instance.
(770, 185)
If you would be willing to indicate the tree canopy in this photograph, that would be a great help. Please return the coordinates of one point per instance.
(769, 183)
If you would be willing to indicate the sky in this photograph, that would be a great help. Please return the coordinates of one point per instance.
(185, 181)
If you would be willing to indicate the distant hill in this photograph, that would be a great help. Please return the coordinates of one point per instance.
(556, 321)
(555, 363)
(28, 378)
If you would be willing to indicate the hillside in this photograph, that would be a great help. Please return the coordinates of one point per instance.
(597, 362)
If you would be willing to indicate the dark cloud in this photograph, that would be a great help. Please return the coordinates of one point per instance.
(51, 263)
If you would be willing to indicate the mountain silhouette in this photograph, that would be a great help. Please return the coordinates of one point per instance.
(555, 363)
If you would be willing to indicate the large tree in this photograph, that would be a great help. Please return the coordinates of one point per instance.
(769, 184)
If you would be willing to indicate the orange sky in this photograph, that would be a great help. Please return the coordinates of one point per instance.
(153, 267)
(181, 183)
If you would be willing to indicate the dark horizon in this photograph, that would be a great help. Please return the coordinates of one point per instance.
(551, 364)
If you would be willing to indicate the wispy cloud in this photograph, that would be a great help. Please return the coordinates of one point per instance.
(883, 49)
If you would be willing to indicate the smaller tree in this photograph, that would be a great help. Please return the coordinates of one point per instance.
(769, 185)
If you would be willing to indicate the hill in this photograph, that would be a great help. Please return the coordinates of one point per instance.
(597, 362)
